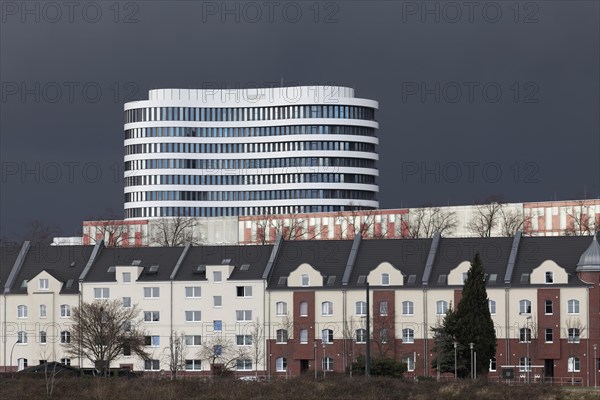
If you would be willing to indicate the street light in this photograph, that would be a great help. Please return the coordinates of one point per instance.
(528, 339)
(471, 345)
(596, 365)
(11, 354)
(455, 363)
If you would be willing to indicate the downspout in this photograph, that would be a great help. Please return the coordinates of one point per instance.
(588, 339)
(344, 329)
(507, 322)
(425, 333)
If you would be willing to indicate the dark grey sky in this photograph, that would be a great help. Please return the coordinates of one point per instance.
(488, 97)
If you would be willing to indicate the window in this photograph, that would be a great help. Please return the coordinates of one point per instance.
(217, 325)
(361, 336)
(151, 316)
(192, 316)
(65, 337)
(524, 364)
(525, 307)
(127, 350)
(574, 364)
(281, 364)
(408, 308)
(22, 337)
(410, 363)
(21, 311)
(243, 340)
(524, 335)
(101, 293)
(126, 277)
(244, 364)
(65, 311)
(383, 335)
(492, 307)
(327, 335)
(43, 311)
(65, 361)
(304, 309)
(305, 281)
(44, 284)
(217, 276)
(281, 308)
(383, 308)
(573, 306)
(193, 365)
(408, 335)
(127, 326)
(152, 365)
(361, 308)
(193, 291)
(573, 335)
(244, 291)
(548, 336)
(385, 279)
(153, 341)
(493, 364)
(282, 335)
(441, 307)
(217, 301)
(21, 364)
(193, 340)
(548, 309)
(549, 277)
(151, 293)
(464, 277)
(126, 302)
(328, 364)
(303, 336)
(43, 337)
(327, 308)
(243, 315)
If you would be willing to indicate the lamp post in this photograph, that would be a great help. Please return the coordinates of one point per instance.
(315, 357)
(528, 339)
(471, 345)
(455, 361)
(324, 360)
(596, 365)
(11, 354)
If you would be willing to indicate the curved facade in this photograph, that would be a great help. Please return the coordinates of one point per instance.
(204, 153)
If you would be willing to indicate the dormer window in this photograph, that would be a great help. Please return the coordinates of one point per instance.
(217, 276)
(385, 279)
(549, 277)
(305, 280)
(44, 285)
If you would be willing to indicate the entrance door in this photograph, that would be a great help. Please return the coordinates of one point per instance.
(303, 366)
(548, 370)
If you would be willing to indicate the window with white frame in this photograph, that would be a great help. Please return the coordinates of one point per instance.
(151, 292)
(281, 308)
(153, 341)
(43, 311)
(22, 337)
(151, 316)
(43, 337)
(101, 293)
(21, 364)
(492, 307)
(304, 280)
(524, 307)
(192, 292)
(243, 291)
(152, 365)
(217, 276)
(303, 309)
(22, 311)
(383, 335)
(573, 335)
(65, 337)
(548, 307)
(361, 308)
(493, 364)
(217, 301)
(548, 335)
(410, 364)
(327, 308)
(549, 277)
(524, 364)
(303, 336)
(573, 306)
(193, 340)
(243, 340)
(383, 308)
(44, 284)
(385, 279)
(126, 302)
(281, 364)
(327, 335)
(193, 365)
(328, 364)
(65, 311)
(217, 325)
(408, 308)
(193, 316)
(525, 335)
(408, 335)
(441, 307)
(127, 326)
(573, 364)
(243, 315)
(126, 277)
(282, 335)
(65, 361)
(361, 335)
(243, 364)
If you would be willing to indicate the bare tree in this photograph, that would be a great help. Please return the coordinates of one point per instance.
(512, 221)
(424, 222)
(579, 222)
(221, 353)
(103, 330)
(109, 226)
(355, 222)
(289, 226)
(176, 353)
(175, 231)
(486, 216)
(40, 233)
(50, 372)
(287, 325)
(258, 351)
(574, 329)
